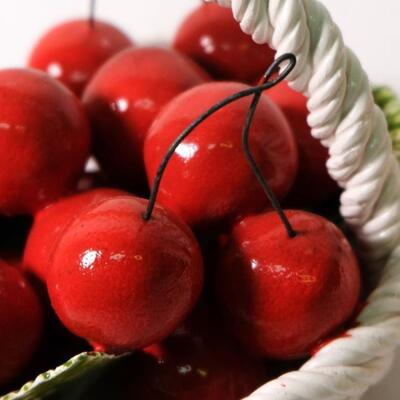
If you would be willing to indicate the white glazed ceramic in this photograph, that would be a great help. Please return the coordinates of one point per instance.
(346, 120)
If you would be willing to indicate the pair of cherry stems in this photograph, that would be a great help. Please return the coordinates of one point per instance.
(265, 84)
(92, 13)
(257, 91)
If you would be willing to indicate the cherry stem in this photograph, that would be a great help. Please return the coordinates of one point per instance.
(252, 162)
(92, 13)
(266, 84)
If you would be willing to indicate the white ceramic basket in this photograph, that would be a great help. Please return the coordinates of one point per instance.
(346, 120)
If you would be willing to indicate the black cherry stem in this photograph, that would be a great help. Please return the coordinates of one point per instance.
(92, 13)
(252, 162)
(266, 84)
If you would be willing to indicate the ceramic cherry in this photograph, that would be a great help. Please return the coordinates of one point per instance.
(211, 37)
(20, 322)
(73, 51)
(44, 141)
(121, 282)
(283, 295)
(312, 155)
(50, 223)
(124, 98)
(197, 362)
(208, 179)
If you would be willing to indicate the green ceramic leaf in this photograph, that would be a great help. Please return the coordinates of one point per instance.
(57, 383)
(389, 102)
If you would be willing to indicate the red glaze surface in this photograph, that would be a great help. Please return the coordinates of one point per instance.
(73, 51)
(208, 179)
(281, 295)
(44, 141)
(120, 281)
(211, 37)
(20, 322)
(124, 98)
(313, 184)
(197, 362)
(51, 222)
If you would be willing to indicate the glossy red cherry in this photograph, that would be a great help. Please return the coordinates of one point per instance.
(73, 51)
(197, 362)
(283, 295)
(211, 37)
(208, 180)
(124, 98)
(51, 222)
(312, 155)
(44, 141)
(20, 322)
(120, 281)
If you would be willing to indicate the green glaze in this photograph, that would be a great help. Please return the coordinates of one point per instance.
(389, 102)
(67, 381)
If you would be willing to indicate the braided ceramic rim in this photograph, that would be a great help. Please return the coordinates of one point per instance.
(346, 120)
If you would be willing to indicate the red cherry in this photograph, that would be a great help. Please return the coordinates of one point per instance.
(20, 322)
(51, 222)
(208, 179)
(312, 155)
(197, 362)
(123, 282)
(73, 51)
(211, 37)
(124, 98)
(283, 295)
(44, 141)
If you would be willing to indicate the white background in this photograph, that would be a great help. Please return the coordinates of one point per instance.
(370, 28)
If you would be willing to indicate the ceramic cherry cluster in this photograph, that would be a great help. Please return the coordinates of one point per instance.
(125, 282)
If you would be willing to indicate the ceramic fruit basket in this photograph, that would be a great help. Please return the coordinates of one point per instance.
(345, 358)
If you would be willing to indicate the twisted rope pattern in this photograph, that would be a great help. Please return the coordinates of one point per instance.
(345, 119)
